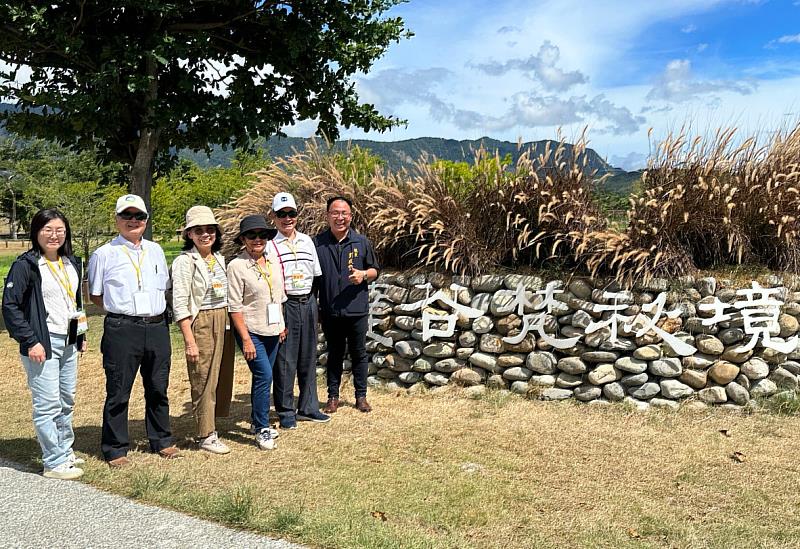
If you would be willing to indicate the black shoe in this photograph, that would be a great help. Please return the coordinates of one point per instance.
(288, 423)
(316, 417)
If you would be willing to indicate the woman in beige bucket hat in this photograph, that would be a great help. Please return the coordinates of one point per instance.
(200, 306)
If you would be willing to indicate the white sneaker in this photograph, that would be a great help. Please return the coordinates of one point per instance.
(274, 433)
(75, 460)
(65, 471)
(213, 444)
(265, 441)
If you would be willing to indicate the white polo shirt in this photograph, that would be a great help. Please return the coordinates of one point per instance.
(299, 262)
(116, 269)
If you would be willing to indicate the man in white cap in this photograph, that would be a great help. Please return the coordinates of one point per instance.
(297, 355)
(128, 278)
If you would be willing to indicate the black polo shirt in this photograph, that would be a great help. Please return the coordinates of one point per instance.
(337, 296)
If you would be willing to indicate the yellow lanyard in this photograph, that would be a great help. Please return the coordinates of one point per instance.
(211, 264)
(267, 275)
(64, 282)
(137, 268)
(292, 249)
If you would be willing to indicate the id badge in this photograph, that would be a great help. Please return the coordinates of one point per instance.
(217, 289)
(298, 280)
(141, 303)
(83, 322)
(273, 313)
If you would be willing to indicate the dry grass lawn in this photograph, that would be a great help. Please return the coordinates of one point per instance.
(446, 471)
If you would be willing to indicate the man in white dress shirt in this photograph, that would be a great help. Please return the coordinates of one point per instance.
(128, 278)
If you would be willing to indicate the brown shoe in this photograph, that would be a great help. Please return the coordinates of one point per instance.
(120, 462)
(362, 405)
(170, 453)
(331, 406)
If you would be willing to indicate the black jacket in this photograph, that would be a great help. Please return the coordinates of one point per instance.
(337, 295)
(23, 305)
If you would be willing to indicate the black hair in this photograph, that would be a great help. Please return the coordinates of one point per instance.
(42, 218)
(188, 243)
(335, 198)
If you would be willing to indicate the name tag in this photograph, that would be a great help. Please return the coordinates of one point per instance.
(141, 304)
(217, 289)
(298, 280)
(273, 313)
(83, 322)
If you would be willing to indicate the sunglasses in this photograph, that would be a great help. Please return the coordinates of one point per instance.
(251, 235)
(282, 214)
(208, 229)
(138, 216)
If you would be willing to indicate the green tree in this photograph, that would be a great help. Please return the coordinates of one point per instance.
(141, 79)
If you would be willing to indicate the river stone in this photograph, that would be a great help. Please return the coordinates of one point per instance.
(542, 381)
(386, 373)
(726, 295)
(405, 323)
(621, 344)
(571, 365)
(556, 394)
(491, 343)
(382, 323)
(614, 392)
(710, 345)
(763, 388)
(398, 363)
(632, 365)
(529, 282)
(645, 392)
(466, 377)
(595, 339)
(723, 372)
(664, 404)
(409, 377)
(694, 325)
(648, 352)
(698, 361)
(496, 381)
(666, 367)
(485, 361)
(520, 388)
(792, 366)
(467, 339)
(581, 288)
(732, 354)
(507, 323)
(674, 389)
(374, 382)
(517, 373)
(463, 353)
(487, 283)
(792, 309)
(435, 378)
(396, 335)
(585, 393)
(706, 286)
(481, 302)
(408, 349)
(604, 373)
(510, 360)
(788, 325)
(737, 394)
(525, 346)
(439, 349)
(581, 319)
(449, 365)
(437, 280)
(568, 381)
(600, 356)
(541, 362)
(482, 325)
(636, 404)
(755, 368)
(744, 381)
(634, 380)
(502, 303)
(474, 391)
(713, 395)
(696, 379)
(423, 365)
(772, 356)
(783, 379)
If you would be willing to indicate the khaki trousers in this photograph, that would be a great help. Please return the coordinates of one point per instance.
(211, 377)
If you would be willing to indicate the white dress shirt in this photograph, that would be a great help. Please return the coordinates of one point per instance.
(299, 262)
(118, 270)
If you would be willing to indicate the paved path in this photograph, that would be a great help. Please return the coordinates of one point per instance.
(40, 512)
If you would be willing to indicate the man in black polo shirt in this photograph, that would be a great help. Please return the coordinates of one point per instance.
(348, 266)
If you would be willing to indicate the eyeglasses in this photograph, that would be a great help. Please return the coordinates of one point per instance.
(282, 214)
(208, 229)
(50, 232)
(339, 214)
(127, 216)
(252, 235)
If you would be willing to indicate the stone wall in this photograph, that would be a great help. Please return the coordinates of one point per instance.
(659, 344)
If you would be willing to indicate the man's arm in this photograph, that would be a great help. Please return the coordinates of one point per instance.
(97, 300)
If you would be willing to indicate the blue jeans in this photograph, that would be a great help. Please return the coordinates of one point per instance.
(261, 368)
(52, 384)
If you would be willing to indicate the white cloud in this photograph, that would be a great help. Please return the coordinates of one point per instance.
(688, 29)
(677, 84)
(789, 39)
(702, 47)
(629, 162)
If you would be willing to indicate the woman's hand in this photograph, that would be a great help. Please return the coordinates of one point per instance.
(282, 335)
(84, 346)
(248, 349)
(192, 352)
(37, 353)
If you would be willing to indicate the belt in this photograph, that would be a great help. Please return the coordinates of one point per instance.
(143, 319)
(299, 298)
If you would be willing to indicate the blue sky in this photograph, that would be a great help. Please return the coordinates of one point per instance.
(522, 69)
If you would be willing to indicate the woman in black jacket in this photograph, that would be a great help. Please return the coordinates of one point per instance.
(42, 309)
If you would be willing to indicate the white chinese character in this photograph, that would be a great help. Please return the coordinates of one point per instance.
(760, 316)
(647, 324)
(441, 297)
(371, 321)
(613, 319)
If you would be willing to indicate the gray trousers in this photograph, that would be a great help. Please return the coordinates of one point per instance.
(297, 356)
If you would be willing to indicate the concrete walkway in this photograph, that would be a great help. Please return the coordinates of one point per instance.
(40, 512)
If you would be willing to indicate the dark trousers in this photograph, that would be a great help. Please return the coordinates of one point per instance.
(351, 331)
(128, 345)
(297, 355)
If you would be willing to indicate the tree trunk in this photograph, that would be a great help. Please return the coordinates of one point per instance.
(142, 168)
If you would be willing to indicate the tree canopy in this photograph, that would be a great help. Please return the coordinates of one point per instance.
(138, 79)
